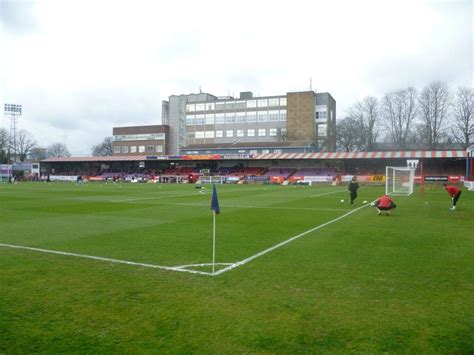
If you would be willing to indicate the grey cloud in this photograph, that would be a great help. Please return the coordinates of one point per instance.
(18, 17)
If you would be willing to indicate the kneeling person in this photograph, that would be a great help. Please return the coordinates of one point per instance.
(386, 204)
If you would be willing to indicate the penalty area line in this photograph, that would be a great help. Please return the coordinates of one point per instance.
(279, 245)
(110, 260)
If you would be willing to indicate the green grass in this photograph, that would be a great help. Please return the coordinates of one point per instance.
(366, 283)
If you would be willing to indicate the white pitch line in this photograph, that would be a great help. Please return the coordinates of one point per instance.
(179, 268)
(245, 261)
(328, 193)
(169, 196)
(255, 207)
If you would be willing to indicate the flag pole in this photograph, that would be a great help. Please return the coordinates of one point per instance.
(213, 242)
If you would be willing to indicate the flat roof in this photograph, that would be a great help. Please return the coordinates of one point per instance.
(411, 154)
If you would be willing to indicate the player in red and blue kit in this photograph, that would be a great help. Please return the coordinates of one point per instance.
(455, 193)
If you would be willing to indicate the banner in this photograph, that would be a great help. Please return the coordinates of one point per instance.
(201, 157)
(436, 178)
(237, 156)
(317, 178)
(377, 178)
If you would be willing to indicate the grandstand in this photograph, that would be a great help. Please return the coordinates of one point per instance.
(271, 168)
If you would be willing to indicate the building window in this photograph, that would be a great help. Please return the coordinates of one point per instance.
(262, 132)
(220, 119)
(262, 116)
(273, 116)
(262, 103)
(251, 117)
(322, 130)
(117, 150)
(240, 117)
(139, 137)
(272, 132)
(265, 151)
(253, 151)
(141, 149)
(209, 134)
(277, 151)
(133, 149)
(239, 105)
(159, 149)
(150, 149)
(220, 105)
(219, 134)
(251, 103)
(282, 115)
(321, 114)
(210, 106)
(209, 118)
(250, 133)
(189, 119)
(230, 117)
(125, 149)
(230, 105)
(283, 101)
(199, 120)
(199, 107)
(273, 102)
(229, 133)
(240, 133)
(190, 108)
(199, 135)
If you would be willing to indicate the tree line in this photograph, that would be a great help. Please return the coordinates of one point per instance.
(25, 148)
(404, 119)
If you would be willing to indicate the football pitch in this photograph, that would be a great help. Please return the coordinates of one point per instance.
(128, 268)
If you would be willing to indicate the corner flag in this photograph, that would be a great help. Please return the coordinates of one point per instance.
(215, 201)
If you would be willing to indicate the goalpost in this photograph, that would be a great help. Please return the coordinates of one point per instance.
(399, 180)
(213, 179)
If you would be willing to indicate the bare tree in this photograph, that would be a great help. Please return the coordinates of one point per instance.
(3, 145)
(463, 114)
(57, 150)
(399, 113)
(24, 143)
(103, 149)
(366, 112)
(347, 135)
(3, 139)
(433, 109)
(38, 154)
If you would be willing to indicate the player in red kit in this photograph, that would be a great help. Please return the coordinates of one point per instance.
(384, 203)
(455, 193)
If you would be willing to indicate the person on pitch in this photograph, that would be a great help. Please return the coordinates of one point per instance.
(353, 186)
(455, 193)
(384, 204)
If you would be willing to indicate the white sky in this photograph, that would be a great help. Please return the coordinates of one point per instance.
(81, 67)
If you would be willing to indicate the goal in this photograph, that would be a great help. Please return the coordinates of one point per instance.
(399, 180)
(213, 179)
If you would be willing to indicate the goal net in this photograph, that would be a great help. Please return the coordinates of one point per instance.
(399, 180)
(213, 179)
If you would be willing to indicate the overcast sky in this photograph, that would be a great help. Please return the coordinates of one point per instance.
(81, 67)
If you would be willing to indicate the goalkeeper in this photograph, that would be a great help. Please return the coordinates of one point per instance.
(455, 193)
(385, 204)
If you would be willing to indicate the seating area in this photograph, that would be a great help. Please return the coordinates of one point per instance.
(316, 172)
(178, 171)
(281, 173)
